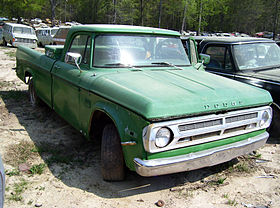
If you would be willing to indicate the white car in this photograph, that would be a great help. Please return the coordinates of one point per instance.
(45, 35)
(18, 34)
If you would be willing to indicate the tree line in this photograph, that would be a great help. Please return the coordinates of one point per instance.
(249, 16)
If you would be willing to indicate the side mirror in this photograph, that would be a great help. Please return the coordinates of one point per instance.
(73, 58)
(204, 58)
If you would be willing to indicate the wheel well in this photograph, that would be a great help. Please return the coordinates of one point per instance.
(27, 77)
(98, 122)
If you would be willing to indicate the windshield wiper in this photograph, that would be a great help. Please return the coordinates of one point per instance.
(124, 65)
(167, 64)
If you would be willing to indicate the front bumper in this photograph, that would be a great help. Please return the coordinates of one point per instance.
(199, 159)
(29, 45)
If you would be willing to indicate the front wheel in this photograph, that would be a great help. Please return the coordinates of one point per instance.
(112, 161)
(33, 97)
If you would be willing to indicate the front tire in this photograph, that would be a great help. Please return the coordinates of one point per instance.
(112, 161)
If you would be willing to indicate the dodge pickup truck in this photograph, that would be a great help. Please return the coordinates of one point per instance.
(136, 90)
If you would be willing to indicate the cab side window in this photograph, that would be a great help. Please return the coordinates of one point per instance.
(220, 58)
(81, 45)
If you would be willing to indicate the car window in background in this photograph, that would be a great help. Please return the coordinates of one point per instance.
(257, 55)
(22, 30)
(216, 54)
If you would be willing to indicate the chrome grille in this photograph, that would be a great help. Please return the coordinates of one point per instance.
(199, 125)
(241, 117)
(203, 129)
(24, 40)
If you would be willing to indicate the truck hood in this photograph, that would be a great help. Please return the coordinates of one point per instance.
(26, 36)
(165, 94)
(268, 74)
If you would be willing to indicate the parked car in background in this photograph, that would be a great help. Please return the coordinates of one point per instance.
(255, 61)
(2, 183)
(60, 36)
(18, 34)
(45, 35)
(1, 35)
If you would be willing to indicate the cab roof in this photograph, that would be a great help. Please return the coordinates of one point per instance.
(109, 28)
(234, 40)
(17, 25)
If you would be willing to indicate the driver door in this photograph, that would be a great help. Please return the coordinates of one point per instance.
(66, 80)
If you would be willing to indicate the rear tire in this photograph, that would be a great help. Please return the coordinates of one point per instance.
(4, 42)
(34, 99)
(112, 161)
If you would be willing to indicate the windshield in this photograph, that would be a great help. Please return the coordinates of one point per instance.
(142, 50)
(257, 55)
(23, 30)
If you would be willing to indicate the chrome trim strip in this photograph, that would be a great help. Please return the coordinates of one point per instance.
(220, 73)
(200, 159)
(129, 143)
(149, 132)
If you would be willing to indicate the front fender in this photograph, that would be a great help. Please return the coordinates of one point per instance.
(129, 126)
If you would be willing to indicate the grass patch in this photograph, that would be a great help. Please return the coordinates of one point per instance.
(5, 84)
(20, 153)
(14, 172)
(18, 189)
(11, 54)
(243, 167)
(38, 169)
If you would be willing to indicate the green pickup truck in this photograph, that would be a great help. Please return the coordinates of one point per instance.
(136, 90)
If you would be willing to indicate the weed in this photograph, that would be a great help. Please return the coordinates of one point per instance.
(231, 202)
(18, 189)
(221, 180)
(38, 169)
(226, 196)
(243, 167)
(29, 202)
(14, 172)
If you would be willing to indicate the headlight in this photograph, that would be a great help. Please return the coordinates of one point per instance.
(265, 117)
(163, 137)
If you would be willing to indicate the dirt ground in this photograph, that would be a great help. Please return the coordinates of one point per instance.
(49, 164)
